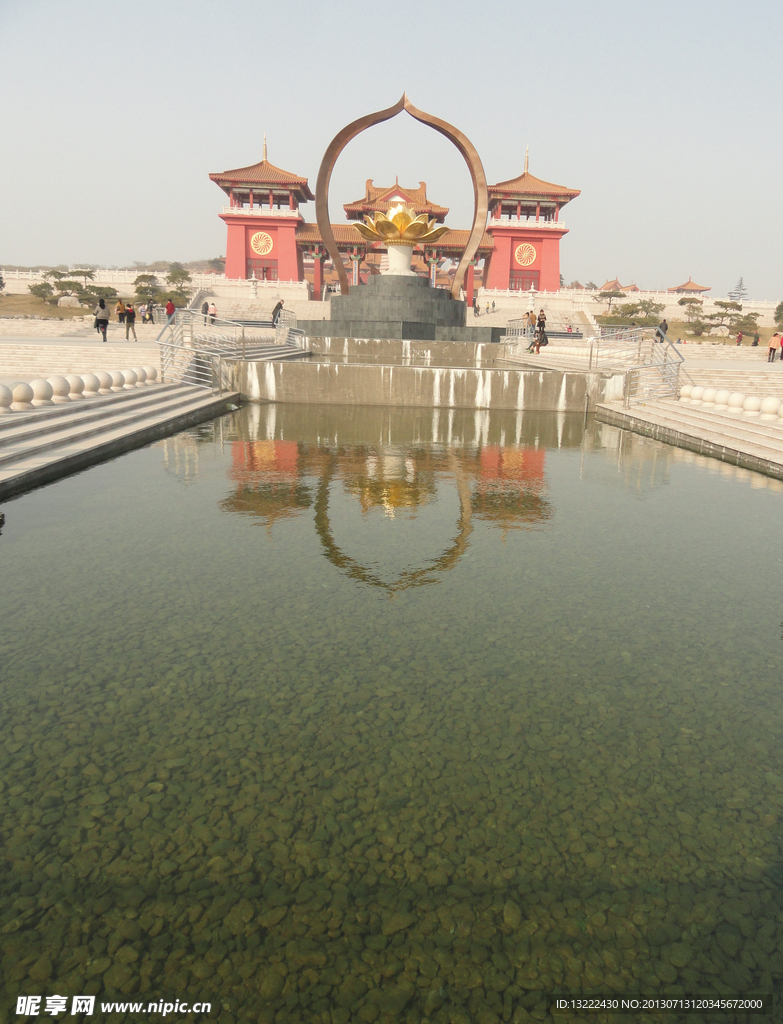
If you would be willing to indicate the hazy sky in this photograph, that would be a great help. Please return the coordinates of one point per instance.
(667, 115)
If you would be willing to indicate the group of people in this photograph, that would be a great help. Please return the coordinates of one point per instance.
(209, 309)
(477, 311)
(536, 330)
(126, 314)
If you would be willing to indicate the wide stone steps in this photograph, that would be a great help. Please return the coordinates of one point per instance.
(748, 382)
(28, 360)
(41, 445)
(751, 436)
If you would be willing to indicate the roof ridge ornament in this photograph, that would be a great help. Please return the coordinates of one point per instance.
(264, 146)
(527, 152)
(463, 144)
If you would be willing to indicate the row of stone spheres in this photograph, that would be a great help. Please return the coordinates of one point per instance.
(22, 397)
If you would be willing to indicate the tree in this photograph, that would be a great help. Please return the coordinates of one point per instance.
(147, 287)
(42, 291)
(738, 292)
(692, 308)
(65, 287)
(608, 298)
(562, 281)
(218, 264)
(2, 283)
(648, 307)
(779, 314)
(591, 284)
(178, 280)
(745, 322)
(89, 296)
(724, 312)
(85, 273)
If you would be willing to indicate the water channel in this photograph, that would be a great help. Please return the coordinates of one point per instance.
(332, 715)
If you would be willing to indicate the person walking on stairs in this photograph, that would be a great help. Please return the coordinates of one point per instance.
(130, 321)
(101, 317)
(775, 343)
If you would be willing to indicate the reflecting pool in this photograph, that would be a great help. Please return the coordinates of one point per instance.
(333, 715)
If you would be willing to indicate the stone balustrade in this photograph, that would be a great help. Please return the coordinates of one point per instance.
(734, 403)
(57, 390)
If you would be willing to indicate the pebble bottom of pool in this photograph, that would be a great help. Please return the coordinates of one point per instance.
(333, 715)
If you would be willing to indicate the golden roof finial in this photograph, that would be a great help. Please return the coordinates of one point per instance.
(527, 148)
(264, 145)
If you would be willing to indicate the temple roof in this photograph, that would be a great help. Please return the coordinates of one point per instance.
(262, 174)
(615, 286)
(346, 234)
(528, 186)
(380, 199)
(690, 286)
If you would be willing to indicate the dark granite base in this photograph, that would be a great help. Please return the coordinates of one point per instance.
(397, 330)
(404, 308)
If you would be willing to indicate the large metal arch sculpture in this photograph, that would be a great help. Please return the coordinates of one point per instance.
(463, 144)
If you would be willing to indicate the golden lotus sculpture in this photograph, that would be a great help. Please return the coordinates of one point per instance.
(400, 226)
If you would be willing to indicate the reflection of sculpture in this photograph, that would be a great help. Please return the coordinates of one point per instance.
(463, 144)
(498, 485)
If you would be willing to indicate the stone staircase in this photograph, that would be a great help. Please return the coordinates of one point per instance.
(754, 441)
(46, 443)
(26, 360)
(751, 382)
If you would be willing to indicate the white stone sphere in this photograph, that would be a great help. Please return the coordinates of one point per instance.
(130, 378)
(736, 400)
(23, 396)
(104, 380)
(152, 374)
(91, 384)
(75, 385)
(709, 396)
(6, 397)
(696, 393)
(751, 405)
(42, 392)
(685, 392)
(141, 375)
(722, 397)
(61, 389)
(770, 407)
(780, 412)
(117, 380)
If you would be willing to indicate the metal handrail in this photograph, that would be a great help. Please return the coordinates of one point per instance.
(234, 339)
(197, 367)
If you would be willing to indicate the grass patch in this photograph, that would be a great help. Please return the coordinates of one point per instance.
(29, 305)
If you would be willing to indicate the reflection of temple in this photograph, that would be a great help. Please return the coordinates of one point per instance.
(500, 486)
(269, 239)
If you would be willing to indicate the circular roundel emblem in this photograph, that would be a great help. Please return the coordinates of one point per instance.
(261, 243)
(525, 254)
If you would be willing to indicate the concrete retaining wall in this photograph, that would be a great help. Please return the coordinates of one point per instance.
(422, 386)
(410, 353)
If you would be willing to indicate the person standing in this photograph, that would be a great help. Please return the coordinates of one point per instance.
(205, 309)
(774, 345)
(487, 309)
(541, 322)
(663, 330)
(119, 309)
(143, 312)
(102, 317)
(276, 312)
(739, 338)
(170, 309)
(130, 321)
(532, 321)
(212, 312)
(755, 342)
(475, 307)
(493, 305)
(150, 308)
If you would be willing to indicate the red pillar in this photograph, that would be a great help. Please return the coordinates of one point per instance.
(469, 284)
(291, 201)
(538, 211)
(519, 209)
(251, 199)
(271, 200)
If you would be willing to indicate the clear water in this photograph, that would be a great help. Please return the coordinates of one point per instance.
(356, 715)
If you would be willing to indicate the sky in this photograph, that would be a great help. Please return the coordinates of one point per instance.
(667, 115)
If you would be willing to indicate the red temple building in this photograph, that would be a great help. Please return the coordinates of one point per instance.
(269, 240)
(524, 222)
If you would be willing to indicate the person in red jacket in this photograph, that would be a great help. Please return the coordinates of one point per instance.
(170, 308)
